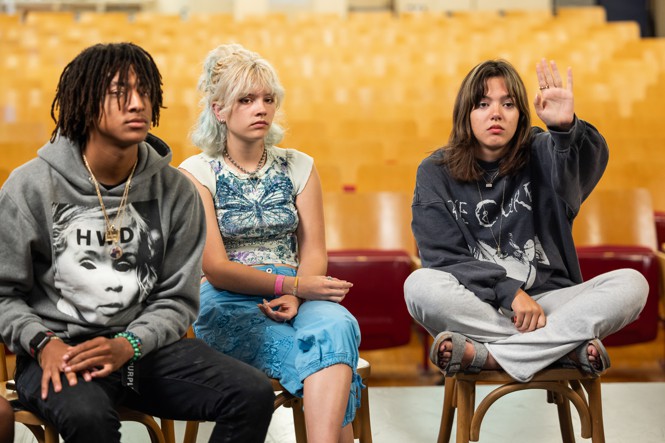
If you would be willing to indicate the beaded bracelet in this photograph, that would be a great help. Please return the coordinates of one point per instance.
(134, 341)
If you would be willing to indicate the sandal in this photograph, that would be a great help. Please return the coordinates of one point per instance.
(602, 362)
(455, 363)
(583, 363)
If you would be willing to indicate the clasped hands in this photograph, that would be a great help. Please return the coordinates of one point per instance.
(314, 287)
(94, 358)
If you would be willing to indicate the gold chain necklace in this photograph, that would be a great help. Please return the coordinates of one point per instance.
(243, 170)
(503, 197)
(112, 235)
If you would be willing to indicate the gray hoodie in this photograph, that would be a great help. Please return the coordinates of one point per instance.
(55, 270)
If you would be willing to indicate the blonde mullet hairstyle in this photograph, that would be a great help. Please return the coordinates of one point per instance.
(229, 73)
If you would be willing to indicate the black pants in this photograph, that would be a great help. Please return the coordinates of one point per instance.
(184, 381)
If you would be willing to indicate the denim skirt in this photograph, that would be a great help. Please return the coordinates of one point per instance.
(321, 335)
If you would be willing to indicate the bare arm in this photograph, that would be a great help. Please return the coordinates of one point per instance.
(217, 268)
(225, 274)
(312, 252)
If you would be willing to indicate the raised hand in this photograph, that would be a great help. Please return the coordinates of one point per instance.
(554, 103)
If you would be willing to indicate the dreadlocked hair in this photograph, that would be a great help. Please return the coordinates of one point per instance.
(85, 81)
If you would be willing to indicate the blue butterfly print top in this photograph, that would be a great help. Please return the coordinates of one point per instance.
(257, 216)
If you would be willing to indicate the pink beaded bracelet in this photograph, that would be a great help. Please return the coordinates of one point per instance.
(279, 283)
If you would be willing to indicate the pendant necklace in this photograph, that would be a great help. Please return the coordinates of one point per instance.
(503, 195)
(112, 235)
(492, 176)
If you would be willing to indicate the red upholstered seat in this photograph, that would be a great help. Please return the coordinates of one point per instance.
(595, 260)
(377, 296)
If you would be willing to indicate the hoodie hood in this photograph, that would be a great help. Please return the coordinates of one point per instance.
(65, 158)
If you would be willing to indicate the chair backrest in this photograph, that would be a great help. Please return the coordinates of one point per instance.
(619, 217)
(616, 229)
(660, 229)
(378, 280)
(368, 220)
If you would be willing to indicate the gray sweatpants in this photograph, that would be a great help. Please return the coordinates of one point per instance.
(593, 309)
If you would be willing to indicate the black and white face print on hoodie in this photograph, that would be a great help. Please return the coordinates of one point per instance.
(94, 287)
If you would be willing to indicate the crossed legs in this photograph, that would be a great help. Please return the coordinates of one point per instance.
(575, 315)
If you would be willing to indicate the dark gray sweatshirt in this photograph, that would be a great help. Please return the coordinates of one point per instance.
(518, 233)
(55, 269)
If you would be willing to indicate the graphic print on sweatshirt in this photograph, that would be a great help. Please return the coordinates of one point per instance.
(93, 287)
(510, 227)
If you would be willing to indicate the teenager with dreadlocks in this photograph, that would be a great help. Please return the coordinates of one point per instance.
(81, 352)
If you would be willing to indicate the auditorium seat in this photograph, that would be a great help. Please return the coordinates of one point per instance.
(615, 229)
(370, 243)
(377, 296)
(659, 217)
(368, 220)
(390, 177)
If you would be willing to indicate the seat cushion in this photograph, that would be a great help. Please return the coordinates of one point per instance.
(377, 296)
(596, 260)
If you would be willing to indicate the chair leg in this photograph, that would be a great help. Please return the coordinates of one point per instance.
(448, 415)
(465, 405)
(565, 419)
(51, 435)
(191, 432)
(595, 409)
(299, 421)
(365, 434)
(43, 434)
(168, 429)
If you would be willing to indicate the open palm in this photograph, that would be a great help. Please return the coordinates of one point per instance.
(554, 104)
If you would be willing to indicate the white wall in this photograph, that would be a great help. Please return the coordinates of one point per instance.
(170, 6)
(244, 8)
(466, 5)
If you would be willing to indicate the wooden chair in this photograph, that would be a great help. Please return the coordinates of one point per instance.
(362, 428)
(361, 424)
(563, 386)
(45, 432)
